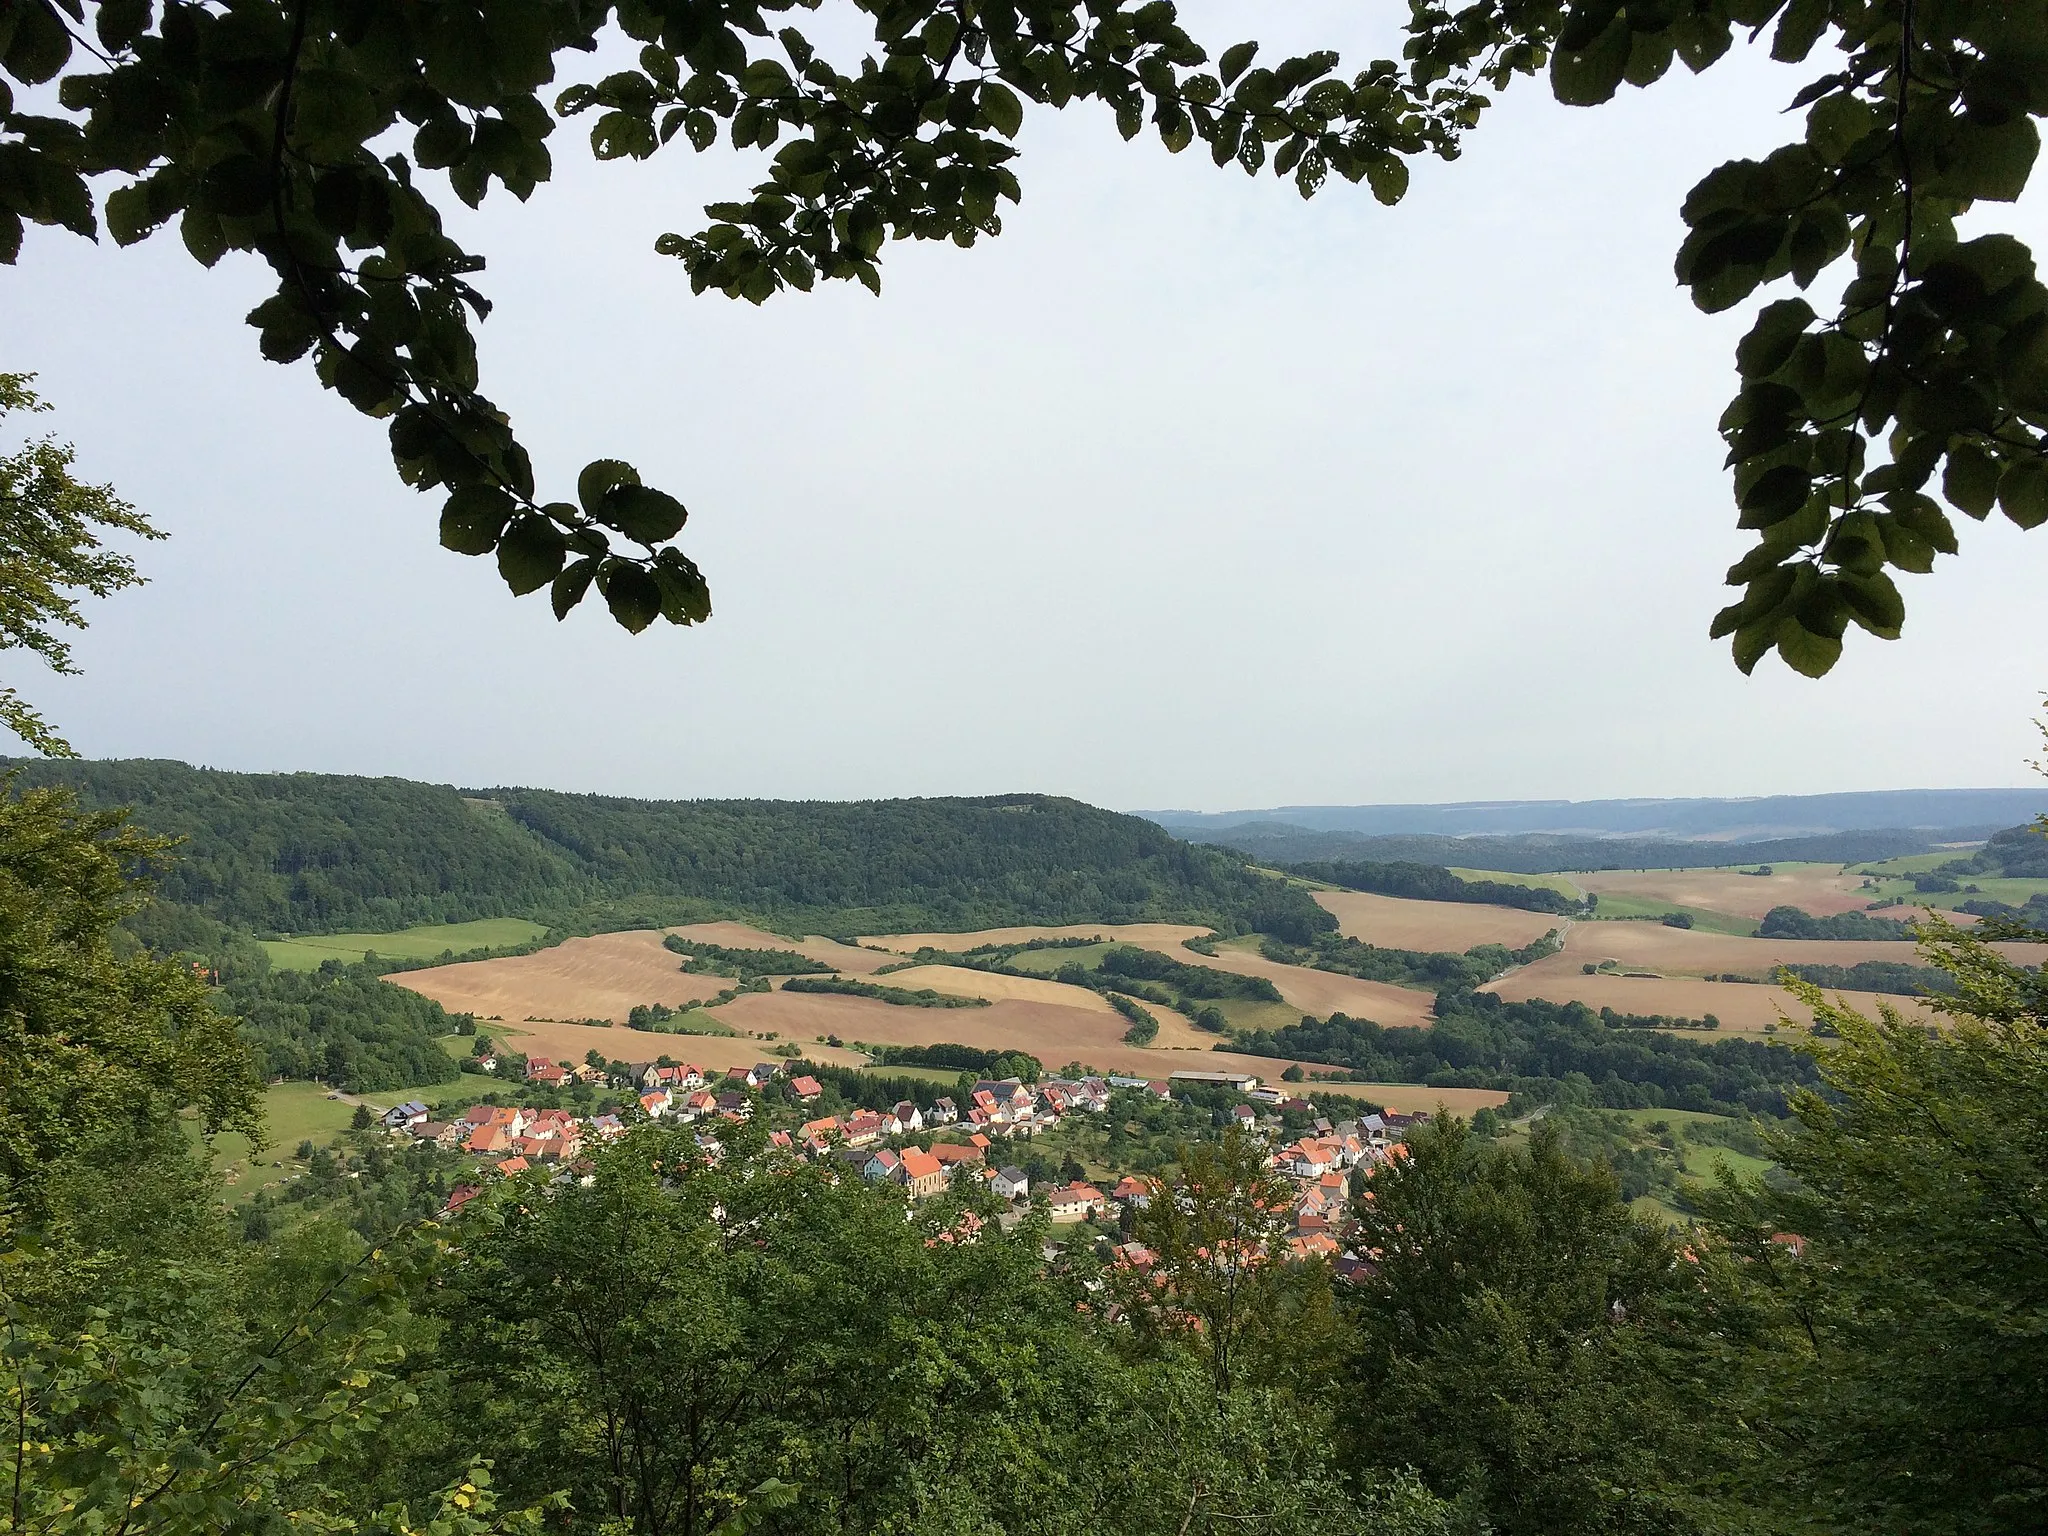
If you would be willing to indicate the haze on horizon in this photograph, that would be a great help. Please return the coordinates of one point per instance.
(1181, 493)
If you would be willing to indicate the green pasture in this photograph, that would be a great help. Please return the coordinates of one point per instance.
(1043, 962)
(2013, 891)
(306, 952)
(1627, 906)
(1245, 1014)
(1562, 884)
(1912, 863)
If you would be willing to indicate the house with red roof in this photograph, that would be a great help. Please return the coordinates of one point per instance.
(1074, 1202)
(920, 1173)
(806, 1089)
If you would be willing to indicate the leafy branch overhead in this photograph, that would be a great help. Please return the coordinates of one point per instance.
(280, 127)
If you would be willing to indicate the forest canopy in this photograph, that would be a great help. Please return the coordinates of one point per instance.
(325, 852)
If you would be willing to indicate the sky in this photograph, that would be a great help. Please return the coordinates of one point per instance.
(1183, 493)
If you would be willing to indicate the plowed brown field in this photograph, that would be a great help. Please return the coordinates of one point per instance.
(603, 977)
(850, 958)
(1396, 923)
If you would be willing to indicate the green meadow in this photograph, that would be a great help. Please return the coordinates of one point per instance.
(306, 952)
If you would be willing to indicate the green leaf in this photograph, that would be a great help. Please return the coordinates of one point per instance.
(1387, 175)
(1874, 603)
(1001, 109)
(1989, 162)
(685, 597)
(1776, 495)
(1806, 653)
(473, 518)
(129, 218)
(1970, 480)
(1770, 341)
(1236, 60)
(531, 553)
(571, 585)
(643, 513)
(39, 46)
(2023, 492)
(1585, 79)
(632, 594)
(598, 479)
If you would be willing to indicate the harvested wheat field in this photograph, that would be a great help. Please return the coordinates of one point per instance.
(1742, 1007)
(1319, 992)
(959, 981)
(848, 958)
(1410, 1098)
(1151, 934)
(1818, 888)
(603, 977)
(1393, 922)
(1696, 952)
(1056, 1033)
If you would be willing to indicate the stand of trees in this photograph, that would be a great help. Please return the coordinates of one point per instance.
(1432, 882)
(901, 997)
(341, 1025)
(309, 852)
(1792, 923)
(1550, 1051)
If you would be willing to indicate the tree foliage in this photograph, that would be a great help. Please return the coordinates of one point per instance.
(310, 852)
(306, 132)
(51, 524)
(1892, 1345)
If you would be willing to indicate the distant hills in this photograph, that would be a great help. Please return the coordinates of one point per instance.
(309, 852)
(1279, 845)
(1941, 815)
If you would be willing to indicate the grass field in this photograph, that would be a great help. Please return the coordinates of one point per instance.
(1562, 884)
(1044, 962)
(1614, 904)
(305, 953)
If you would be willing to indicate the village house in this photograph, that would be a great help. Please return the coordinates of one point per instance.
(1074, 1202)
(404, 1116)
(734, 1105)
(806, 1089)
(953, 1154)
(908, 1118)
(945, 1112)
(546, 1073)
(512, 1166)
(436, 1133)
(1134, 1191)
(920, 1173)
(655, 1103)
(458, 1197)
(1010, 1184)
(488, 1140)
(881, 1164)
(819, 1129)
(863, 1129)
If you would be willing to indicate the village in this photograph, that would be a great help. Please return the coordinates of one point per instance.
(961, 1140)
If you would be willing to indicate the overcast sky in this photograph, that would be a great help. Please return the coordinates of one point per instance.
(1182, 493)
